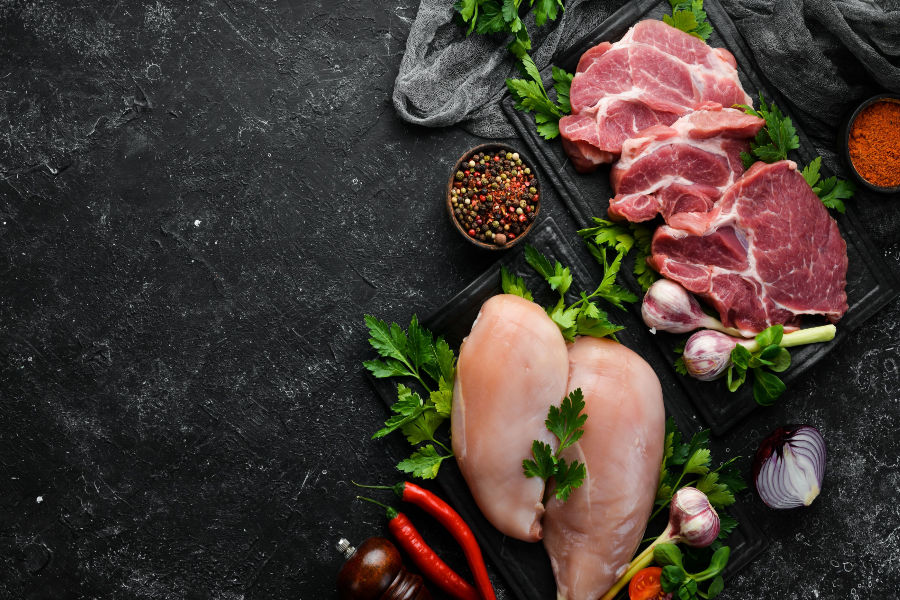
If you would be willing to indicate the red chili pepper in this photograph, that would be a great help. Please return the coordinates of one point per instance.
(452, 522)
(457, 527)
(427, 561)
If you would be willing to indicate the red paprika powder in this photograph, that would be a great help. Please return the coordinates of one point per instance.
(874, 143)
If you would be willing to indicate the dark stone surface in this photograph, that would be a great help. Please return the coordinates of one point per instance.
(198, 202)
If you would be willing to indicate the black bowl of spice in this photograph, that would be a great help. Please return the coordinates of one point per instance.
(872, 143)
(493, 196)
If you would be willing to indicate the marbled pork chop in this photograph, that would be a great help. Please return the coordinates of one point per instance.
(680, 171)
(512, 367)
(768, 253)
(591, 537)
(653, 75)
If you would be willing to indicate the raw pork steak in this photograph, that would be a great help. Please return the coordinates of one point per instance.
(769, 253)
(681, 170)
(653, 75)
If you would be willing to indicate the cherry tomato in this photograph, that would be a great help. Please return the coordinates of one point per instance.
(645, 585)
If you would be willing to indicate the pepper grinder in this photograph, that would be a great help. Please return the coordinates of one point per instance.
(375, 571)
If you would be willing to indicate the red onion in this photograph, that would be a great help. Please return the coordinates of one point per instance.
(789, 466)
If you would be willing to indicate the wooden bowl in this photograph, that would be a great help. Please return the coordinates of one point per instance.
(845, 144)
(492, 147)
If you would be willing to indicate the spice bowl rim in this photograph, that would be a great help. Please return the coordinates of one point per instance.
(526, 159)
(846, 142)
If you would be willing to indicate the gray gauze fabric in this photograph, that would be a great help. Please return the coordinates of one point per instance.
(824, 57)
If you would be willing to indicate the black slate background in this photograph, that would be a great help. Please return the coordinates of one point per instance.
(198, 202)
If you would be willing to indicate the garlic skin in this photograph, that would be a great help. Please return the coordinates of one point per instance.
(693, 519)
(707, 354)
(669, 307)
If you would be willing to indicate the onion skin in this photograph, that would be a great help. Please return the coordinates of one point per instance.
(789, 467)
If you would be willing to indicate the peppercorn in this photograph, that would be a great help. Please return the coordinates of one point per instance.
(494, 196)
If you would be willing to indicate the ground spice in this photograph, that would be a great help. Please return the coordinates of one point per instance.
(875, 143)
(494, 197)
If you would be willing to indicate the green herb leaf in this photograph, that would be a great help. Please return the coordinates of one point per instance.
(417, 354)
(781, 361)
(689, 16)
(680, 367)
(423, 463)
(740, 356)
(491, 18)
(770, 336)
(671, 578)
(667, 554)
(698, 463)
(442, 399)
(562, 83)
(834, 191)
(538, 262)
(567, 422)
(727, 524)
(716, 587)
(390, 367)
(568, 477)
(767, 387)
(388, 340)
(513, 284)
(422, 428)
(408, 407)
(776, 138)
(544, 463)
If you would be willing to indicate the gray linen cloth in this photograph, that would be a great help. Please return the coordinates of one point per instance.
(823, 56)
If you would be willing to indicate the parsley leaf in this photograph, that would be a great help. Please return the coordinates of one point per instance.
(831, 191)
(689, 16)
(622, 237)
(773, 142)
(415, 354)
(531, 96)
(690, 463)
(423, 463)
(583, 317)
(513, 284)
(566, 423)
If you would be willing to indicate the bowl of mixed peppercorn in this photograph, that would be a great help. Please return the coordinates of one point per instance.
(493, 196)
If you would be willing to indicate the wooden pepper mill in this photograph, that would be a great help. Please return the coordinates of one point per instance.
(375, 571)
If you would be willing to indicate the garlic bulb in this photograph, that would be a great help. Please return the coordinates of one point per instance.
(707, 354)
(667, 306)
(692, 518)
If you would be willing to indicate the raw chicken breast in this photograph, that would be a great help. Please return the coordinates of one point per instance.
(592, 537)
(512, 367)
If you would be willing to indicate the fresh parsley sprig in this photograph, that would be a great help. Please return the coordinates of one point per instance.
(770, 356)
(776, 139)
(567, 424)
(832, 191)
(689, 16)
(690, 464)
(418, 355)
(773, 142)
(531, 96)
(583, 317)
(622, 237)
(676, 580)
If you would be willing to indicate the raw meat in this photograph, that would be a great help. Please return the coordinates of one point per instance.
(512, 367)
(769, 252)
(680, 171)
(591, 537)
(653, 75)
